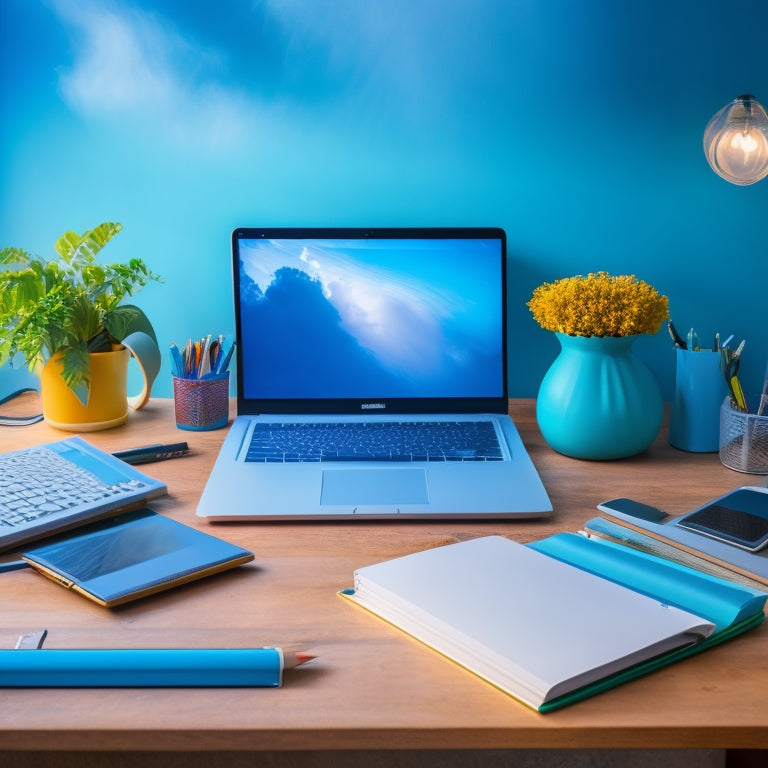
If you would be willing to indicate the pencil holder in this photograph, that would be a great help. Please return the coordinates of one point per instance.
(201, 404)
(694, 419)
(743, 439)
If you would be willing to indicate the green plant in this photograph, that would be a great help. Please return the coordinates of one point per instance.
(70, 305)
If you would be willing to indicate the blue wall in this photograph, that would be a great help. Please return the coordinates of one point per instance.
(574, 124)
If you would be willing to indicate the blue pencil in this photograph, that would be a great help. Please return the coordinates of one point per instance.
(140, 668)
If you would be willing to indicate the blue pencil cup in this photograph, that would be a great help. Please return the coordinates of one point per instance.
(694, 421)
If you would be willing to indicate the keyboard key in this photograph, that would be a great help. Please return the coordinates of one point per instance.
(382, 441)
(37, 482)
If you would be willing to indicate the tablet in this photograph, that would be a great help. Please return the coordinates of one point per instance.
(133, 555)
(739, 518)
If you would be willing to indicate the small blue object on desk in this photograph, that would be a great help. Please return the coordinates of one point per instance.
(694, 421)
(138, 668)
(132, 555)
(702, 377)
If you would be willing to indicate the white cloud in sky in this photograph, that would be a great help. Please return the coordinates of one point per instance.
(119, 64)
(386, 312)
(136, 66)
(389, 321)
(129, 67)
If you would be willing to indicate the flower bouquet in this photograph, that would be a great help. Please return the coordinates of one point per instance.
(599, 305)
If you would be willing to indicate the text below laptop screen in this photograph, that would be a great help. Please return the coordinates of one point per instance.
(356, 318)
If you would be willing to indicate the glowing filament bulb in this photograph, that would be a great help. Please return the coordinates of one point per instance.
(736, 141)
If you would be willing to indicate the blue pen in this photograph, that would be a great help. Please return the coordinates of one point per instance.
(15, 565)
(144, 667)
(224, 363)
(177, 362)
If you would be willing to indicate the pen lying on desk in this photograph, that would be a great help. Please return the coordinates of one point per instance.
(147, 668)
(148, 453)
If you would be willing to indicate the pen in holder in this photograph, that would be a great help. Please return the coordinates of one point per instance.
(699, 389)
(743, 439)
(201, 404)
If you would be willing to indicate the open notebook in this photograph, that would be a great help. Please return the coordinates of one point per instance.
(558, 620)
(372, 379)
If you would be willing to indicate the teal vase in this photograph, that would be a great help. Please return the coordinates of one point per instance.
(598, 400)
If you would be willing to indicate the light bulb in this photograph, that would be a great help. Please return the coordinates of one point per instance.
(736, 141)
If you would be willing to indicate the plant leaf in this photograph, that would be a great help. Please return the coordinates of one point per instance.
(15, 256)
(76, 370)
(67, 244)
(73, 247)
(127, 319)
(101, 342)
(85, 319)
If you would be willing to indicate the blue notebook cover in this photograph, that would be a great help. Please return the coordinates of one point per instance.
(719, 601)
(133, 555)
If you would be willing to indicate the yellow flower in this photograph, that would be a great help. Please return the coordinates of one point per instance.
(599, 305)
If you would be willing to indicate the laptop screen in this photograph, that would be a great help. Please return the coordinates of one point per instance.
(351, 320)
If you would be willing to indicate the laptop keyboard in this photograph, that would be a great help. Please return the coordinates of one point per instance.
(38, 482)
(380, 441)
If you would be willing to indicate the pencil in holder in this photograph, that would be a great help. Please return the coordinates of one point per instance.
(201, 404)
(743, 440)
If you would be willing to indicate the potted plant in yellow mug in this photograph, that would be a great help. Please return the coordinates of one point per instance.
(65, 317)
(598, 400)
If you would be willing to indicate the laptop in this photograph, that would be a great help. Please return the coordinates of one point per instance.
(385, 332)
(52, 487)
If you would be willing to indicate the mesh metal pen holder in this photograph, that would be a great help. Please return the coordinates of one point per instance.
(743, 439)
(201, 404)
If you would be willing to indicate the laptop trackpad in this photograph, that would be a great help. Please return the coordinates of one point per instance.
(358, 487)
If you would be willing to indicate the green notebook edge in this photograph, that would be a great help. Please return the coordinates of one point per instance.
(652, 665)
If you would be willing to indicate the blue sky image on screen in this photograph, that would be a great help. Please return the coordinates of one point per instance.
(371, 318)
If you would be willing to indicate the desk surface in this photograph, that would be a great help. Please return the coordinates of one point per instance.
(372, 687)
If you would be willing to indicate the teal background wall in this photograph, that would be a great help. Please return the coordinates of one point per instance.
(574, 124)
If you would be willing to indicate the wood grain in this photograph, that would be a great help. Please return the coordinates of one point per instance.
(372, 688)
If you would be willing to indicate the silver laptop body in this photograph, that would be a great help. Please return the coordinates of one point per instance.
(383, 327)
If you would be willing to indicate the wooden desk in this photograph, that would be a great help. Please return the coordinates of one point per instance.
(372, 688)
